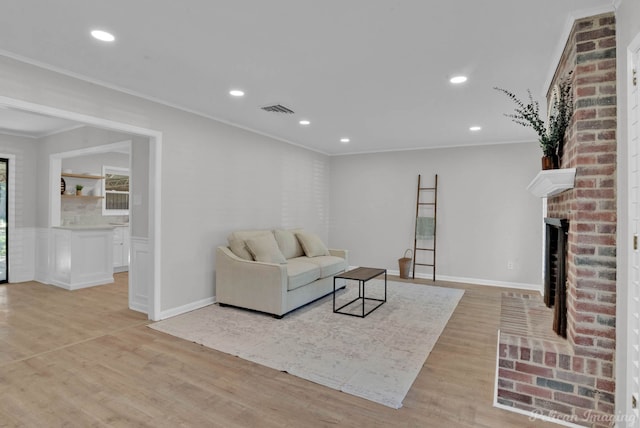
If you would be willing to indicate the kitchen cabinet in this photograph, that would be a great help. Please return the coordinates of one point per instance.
(82, 256)
(121, 244)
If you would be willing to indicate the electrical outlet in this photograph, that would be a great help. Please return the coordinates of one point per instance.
(510, 265)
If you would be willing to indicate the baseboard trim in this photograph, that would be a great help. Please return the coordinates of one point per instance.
(210, 300)
(186, 308)
(476, 281)
(538, 416)
(20, 277)
(492, 283)
(78, 286)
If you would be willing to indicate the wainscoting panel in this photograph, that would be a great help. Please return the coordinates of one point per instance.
(140, 274)
(42, 255)
(22, 254)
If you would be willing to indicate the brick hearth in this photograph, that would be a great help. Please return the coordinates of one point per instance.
(539, 371)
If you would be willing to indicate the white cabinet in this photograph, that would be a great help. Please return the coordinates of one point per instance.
(121, 249)
(81, 256)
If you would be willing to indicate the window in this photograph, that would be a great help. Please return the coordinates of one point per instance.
(115, 191)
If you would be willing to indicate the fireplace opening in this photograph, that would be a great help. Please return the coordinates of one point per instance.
(555, 271)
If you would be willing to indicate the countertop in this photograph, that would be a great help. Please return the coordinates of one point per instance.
(91, 226)
(85, 227)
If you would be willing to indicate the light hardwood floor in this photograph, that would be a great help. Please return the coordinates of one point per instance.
(83, 359)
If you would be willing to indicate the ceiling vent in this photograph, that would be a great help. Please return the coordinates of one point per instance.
(277, 108)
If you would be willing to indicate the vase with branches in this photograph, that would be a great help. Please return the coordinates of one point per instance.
(551, 135)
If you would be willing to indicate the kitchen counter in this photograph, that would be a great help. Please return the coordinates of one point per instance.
(82, 256)
(86, 227)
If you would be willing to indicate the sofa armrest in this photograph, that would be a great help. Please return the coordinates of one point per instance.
(250, 284)
(341, 253)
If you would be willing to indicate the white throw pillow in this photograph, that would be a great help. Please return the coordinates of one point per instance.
(239, 248)
(264, 248)
(312, 244)
(288, 243)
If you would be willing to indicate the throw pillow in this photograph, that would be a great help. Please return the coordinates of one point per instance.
(288, 243)
(312, 244)
(264, 248)
(239, 248)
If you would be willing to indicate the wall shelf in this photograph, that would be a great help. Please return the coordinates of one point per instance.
(86, 176)
(552, 182)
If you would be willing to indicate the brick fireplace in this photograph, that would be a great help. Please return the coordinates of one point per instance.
(573, 378)
(555, 271)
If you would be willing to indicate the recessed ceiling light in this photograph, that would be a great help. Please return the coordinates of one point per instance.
(304, 122)
(236, 93)
(344, 140)
(475, 128)
(458, 79)
(103, 36)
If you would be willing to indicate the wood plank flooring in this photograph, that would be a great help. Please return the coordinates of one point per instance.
(83, 359)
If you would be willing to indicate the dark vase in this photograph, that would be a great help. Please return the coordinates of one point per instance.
(549, 162)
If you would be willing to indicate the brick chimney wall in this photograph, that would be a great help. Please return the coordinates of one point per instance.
(591, 205)
(574, 379)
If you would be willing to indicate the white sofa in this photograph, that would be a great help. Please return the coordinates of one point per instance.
(275, 271)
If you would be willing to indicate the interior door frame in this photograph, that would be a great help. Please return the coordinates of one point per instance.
(626, 334)
(155, 170)
(11, 202)
(6, 210)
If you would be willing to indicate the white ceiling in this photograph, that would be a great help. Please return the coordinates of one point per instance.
(375, 71)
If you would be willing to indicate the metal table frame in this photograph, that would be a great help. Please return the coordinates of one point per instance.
(362, 275)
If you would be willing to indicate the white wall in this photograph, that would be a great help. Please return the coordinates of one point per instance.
(486, 218)
(24, 150)
(22, 237)
(139, 194)
(93, 163)
(215, 178)
(627, 28)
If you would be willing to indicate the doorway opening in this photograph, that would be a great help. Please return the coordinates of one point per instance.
(145, 272)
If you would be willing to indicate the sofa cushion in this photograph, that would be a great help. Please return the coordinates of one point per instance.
(239, 248)
(300, 272)
(238, 245)
(329, 265)
(264, 248)
(288, 243)
(312, 244)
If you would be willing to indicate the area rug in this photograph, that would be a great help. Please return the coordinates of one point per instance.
(377, 357)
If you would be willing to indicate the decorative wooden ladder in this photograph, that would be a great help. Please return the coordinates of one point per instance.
(432, 204)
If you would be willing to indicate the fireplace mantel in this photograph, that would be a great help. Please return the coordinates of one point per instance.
(552, 181)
